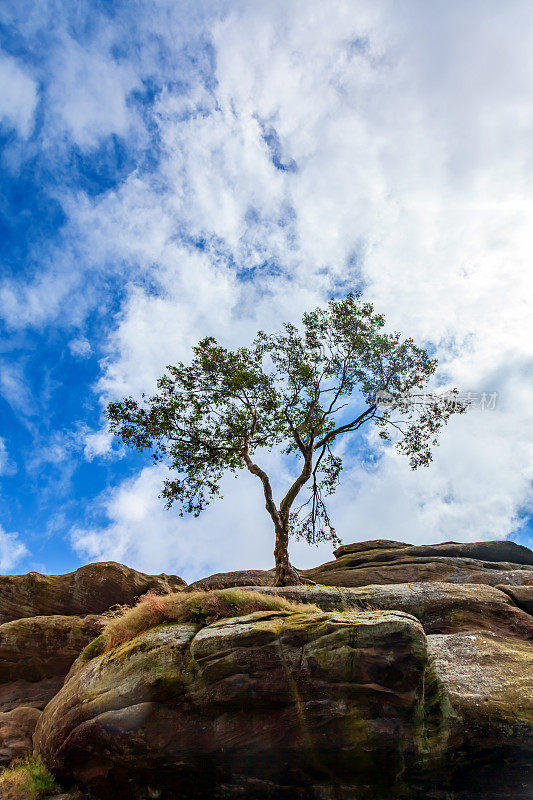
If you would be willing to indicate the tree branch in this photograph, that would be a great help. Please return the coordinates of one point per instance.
(356, 423)
(267, 488)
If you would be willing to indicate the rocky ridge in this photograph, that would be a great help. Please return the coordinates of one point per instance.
(417, 687)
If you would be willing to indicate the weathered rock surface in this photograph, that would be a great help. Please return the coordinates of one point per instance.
(43, 647)
(440, 607)
(272, 705)
(35, 656)
(224, 580)
(89, 590)
(490, 563)
(384, 561)
(489, 679)
(521, 595)
(484, 551)
(16, 731)
(414, 682)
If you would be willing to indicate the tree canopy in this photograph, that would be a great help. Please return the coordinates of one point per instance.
(299, 390)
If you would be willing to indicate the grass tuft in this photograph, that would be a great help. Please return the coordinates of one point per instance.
(28, 779)
(201, 608)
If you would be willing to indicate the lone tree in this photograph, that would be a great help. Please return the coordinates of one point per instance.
(299, 390)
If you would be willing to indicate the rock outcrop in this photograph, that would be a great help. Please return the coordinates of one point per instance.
(16, 732)
(35, 656)
(412, 682)
(89, 590)
(521, 595)
(383, 561)
(44, 634)
(365, 563)
(273, 705)
(225, 580)
(440, 607)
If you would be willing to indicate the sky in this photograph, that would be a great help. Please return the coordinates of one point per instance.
(172, 169)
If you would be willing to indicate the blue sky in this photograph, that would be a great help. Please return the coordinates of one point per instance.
(171, 170)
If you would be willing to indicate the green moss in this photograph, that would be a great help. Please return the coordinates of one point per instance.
(199, 608)
(29, 779)
(93, 649)
(457, 619)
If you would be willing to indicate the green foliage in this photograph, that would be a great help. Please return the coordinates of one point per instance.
(299, 390)
(28, 779)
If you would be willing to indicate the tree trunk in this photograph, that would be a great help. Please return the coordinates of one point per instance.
(286, 575)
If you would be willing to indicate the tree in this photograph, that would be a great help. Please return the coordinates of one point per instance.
(299, 390)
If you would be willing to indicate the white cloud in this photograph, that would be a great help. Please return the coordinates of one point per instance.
(80, 347)
(88, 91)
(14, 387)
(7, 465)
(232, 533)
(18, 97)
(97, 443)
(11, 550)
(408, 131)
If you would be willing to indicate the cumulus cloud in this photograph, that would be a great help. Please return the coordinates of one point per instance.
(88, 92)
(18, 97)
(97, 443)
(375, 145)
(233, 533)
(11, 550)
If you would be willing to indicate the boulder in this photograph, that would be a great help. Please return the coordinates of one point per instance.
(485, 551)
(37, 653)
(226, 580)
(440, 607)
(490, 563)
(89, 590)
(16, 731)
(271, 705)
(372, 544)
(489, 680)
(522, 596)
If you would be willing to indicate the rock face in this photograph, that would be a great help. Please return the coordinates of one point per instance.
(223, 580)
(16, 731)
(384, 562)
(521, 595)
(272, 705)
(37, 651)
(35, 656)
(413, 682)
(43, 647)
(440, 607)
(89, 590)
(489, 682)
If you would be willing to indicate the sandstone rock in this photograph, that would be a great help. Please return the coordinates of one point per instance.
(16, 731)
(383, 561)
(522, 596)
(70, 796)
(36, 654)
(485, 551)
(372, 544)
(449, 562)
(89, 590)
(440, 607)
(226, 580)
(272, 705)
(489, 680)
